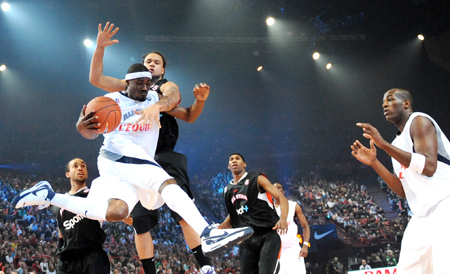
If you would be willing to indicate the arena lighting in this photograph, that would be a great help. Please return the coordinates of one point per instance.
(316, 55)
(329, 66)
(3, 67)
(259, 68)
(421, 37)
(88, 43)
(5, 6)
(270, 21)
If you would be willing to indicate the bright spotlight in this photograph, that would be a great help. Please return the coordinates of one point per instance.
(2, 67)
(259, 68)
(316, 55)
(270, 21)
(5, 6)
(421, 37)
(88, 43)
(328, 66)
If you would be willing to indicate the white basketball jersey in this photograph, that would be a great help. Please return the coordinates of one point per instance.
(290, 238)
(423, 192)
(130, 139)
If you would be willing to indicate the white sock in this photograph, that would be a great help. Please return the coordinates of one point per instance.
(178, 201)
(85, 207)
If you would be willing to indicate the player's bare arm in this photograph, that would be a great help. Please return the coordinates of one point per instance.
(264, 183)
(226, 223)
(86, 125)
(190, 114)
(170, 99)
(306, 231)
(96, 76)
(424, 137)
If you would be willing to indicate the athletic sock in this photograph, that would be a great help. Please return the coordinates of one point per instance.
(149, 265)
(202, 260)
(177, 200)
(84, 207)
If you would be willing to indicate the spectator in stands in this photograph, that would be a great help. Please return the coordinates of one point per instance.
(364, 265)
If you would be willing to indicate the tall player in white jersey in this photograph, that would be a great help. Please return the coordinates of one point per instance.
(292, 256)
(128, 172)
(421, 161)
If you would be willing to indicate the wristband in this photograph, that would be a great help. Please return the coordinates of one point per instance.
(307, 244)
(417, 163)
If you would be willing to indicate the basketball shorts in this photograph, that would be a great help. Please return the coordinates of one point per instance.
(261, 253)
(425, 245)
(290, 262)
(93, 262)
(175, 164)
(129, 182)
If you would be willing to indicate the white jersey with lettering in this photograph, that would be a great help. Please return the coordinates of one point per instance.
(423, 192)
(290, 238)
(130, 139)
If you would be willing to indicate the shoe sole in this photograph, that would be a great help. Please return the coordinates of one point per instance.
(220, 246)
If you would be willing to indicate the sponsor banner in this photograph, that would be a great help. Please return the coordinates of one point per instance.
(382, 270)
(322, 235)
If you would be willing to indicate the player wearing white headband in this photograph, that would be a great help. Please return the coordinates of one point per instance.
(129, 173)
(166, 113)
(421, 161)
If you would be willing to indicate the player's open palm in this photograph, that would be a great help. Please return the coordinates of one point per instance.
(104, 35)
(149, 115)
(363, 154)
(201, 92)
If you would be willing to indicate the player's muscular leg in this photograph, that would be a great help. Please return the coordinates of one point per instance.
(144, 245)
(191, 237)
(117, 210)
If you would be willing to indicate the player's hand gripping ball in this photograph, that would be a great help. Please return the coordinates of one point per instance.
(108, 112)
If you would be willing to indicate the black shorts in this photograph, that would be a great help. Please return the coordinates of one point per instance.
(261, 253)
(175, 164)
(92, 262)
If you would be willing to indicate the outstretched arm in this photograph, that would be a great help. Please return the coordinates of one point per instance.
(265, 184)
(190, 114)
(96, 76)
(306, 232)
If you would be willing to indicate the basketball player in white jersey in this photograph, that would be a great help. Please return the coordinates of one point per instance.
(421, 162)
(129, 173)
(292, 256)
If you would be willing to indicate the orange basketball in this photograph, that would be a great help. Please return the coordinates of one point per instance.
(108, 112)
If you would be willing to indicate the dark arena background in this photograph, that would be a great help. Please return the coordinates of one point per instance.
(294, 119)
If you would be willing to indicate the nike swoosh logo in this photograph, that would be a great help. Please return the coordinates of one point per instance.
(215, 239)
(320, 236)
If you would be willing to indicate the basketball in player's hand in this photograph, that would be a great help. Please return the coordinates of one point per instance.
(108, 112)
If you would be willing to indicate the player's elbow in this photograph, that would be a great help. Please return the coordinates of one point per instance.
(430, 169)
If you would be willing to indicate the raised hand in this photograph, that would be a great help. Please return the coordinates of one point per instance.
(104, 35)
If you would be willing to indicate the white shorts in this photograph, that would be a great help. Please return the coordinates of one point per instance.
(290, 262)
(129, 183)
(425, 242)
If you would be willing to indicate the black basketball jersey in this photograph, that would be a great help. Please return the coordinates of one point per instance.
(168, 134)
(248, 206)
(80, 234)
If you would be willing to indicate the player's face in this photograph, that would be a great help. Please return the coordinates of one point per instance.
(235, 162)
(77, 171)
(155, 64)
(138, 88)
(392, 106)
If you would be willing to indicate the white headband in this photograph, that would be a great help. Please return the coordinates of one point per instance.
(139, 74)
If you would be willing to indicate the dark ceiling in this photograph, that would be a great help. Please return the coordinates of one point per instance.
(293, 115)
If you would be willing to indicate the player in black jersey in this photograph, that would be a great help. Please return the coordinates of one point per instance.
(175, 164)
(249, 201)
(80, 239)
